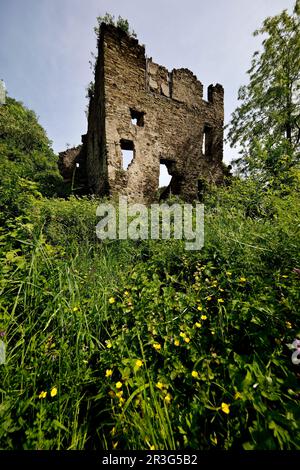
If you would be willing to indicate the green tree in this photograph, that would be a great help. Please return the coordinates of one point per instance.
(266, 126)
(27, 161)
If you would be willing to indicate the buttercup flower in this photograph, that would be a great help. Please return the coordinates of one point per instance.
(42, 395)
(198, 325)
(160, 385)
(75, 309)
(53, 392)
(195, 374)
(203, 317)
(168, 398)
(119, 385)
(157, 346)
(108, 344)
(208, 298)
(108, 373)
(111, 300)
(187, 340)
(138, 363)
(225, 408)
(182, 334)
(176, 342)
(242, 279)
(199, 308)
(288, 324)
(221, 301)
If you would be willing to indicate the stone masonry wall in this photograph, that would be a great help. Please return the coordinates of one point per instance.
(171, 118)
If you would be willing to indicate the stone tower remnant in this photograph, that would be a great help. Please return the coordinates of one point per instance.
(159, 117)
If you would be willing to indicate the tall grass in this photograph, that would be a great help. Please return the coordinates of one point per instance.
(140, 344)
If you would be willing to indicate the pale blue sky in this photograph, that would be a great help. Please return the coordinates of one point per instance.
(45, 49)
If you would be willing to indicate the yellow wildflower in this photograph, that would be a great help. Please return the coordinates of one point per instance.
(75, 309)
(198, 325)
(221, 301)
(200, 308)
(208, 298)
(108, 373)
(284, 276)
(229, 273)
(42, 395)
(121, 401)
(157, 346)
(182, 334)
(119, 385)
(126, 292)
(177, 342)
(225, 408)
(203, 317)
(108, 344)
(243, 279)
(220, 289)
(237, 395)
(168, 398)
(119, 394)
(111, 300)
(138, 363)
(212, 332)
(288, 324)
(187, 340)
(160, 385)
(195, 374)
(53, 392)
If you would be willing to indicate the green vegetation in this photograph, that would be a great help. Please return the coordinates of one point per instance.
(145, 345)
(142, 344)
(28, 165)
(267, 123)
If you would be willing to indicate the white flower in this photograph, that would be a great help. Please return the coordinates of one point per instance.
(295, 359)
(296, 343)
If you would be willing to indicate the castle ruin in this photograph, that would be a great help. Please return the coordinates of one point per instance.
(160, 117)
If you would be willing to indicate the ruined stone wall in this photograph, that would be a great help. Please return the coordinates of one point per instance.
(171, 119)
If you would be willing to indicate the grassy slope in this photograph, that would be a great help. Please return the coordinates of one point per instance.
(181, 333)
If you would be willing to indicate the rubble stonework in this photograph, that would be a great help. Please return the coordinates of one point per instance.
(160, 116)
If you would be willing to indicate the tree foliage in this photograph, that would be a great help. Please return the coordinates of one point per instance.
(27, 161)
(266, 125)
(120, 22)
